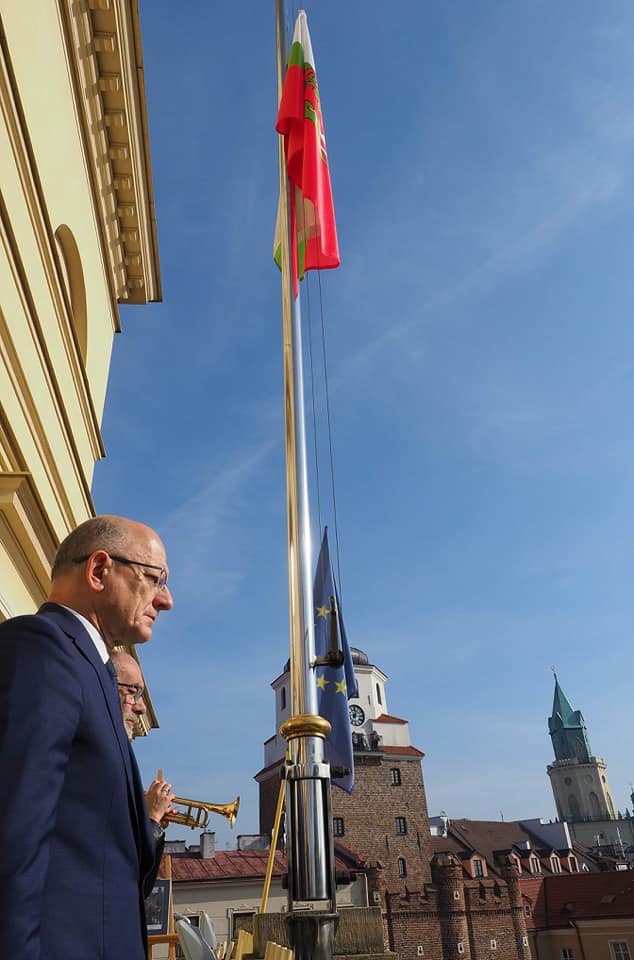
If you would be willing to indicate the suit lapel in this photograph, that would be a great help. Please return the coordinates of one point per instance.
(73, 628)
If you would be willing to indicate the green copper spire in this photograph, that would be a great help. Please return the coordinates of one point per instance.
(568, 730)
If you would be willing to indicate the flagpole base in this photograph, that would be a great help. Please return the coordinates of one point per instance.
(312, 935)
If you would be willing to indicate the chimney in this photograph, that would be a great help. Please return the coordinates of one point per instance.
(207, 844)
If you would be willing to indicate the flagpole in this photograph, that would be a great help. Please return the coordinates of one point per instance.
(311, 872)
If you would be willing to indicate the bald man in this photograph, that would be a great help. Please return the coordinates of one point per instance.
(74, 832)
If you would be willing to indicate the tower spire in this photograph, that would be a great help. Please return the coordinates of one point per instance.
(567, 729)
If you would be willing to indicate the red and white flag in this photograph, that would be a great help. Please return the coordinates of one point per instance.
(313, 231)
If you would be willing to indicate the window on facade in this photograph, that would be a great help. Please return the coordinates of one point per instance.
(534, 865)
(574, 866)
(555, 864)
(619, 950)
(595, 806)
(524, 941)
(378, 694)
(401, 825)
(402, 868)
(241, 920)
(528, 910)
(395, 776)
(494, 944)
(518, 864)
(477, 868)
(337, 826)
(460, 946)
(567, 953)
(283, 698)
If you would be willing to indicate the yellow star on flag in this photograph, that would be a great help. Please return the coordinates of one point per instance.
(321, 681)
(340, 687)
(323, 612)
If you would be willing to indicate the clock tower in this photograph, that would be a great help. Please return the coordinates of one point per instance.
(385, 818)
(579, 779)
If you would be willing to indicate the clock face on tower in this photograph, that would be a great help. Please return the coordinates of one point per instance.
(357, 716)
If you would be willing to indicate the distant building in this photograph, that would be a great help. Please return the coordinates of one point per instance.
(586, 917)
(534, 848)
(459, 889)
(580, 785)
(228, 884)
(433, 903)
(386, 816)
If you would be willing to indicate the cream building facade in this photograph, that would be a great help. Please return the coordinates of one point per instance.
(77, 238)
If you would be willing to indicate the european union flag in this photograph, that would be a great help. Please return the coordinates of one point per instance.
(335, 685)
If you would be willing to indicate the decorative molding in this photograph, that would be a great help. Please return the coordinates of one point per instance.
(26, 168)
(32, 543)
(104, 52)
(11, 460)
(22, 391)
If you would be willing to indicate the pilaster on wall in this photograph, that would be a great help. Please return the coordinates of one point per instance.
(28, 545)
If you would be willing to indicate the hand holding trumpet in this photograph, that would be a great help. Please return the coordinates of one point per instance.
(159, 799)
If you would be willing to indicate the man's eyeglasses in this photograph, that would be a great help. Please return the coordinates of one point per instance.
(134, 690)
(160, 581)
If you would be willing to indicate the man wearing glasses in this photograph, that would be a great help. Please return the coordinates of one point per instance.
(74, 832)
(159, 795)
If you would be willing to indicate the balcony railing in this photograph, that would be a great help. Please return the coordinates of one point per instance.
(366, 743)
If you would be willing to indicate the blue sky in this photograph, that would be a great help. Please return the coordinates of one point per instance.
(481, 364)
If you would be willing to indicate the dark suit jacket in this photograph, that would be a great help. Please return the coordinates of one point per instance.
(74, 839)
(152, 874)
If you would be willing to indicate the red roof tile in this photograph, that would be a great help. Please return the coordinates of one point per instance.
(559, 899)
(386, 718)
(235, 865)
(403, 751)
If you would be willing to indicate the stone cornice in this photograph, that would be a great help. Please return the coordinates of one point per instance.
(104, 51)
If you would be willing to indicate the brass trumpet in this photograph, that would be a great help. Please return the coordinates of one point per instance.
(197, 813)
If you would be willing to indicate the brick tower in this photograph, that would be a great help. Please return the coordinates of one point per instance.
(385, 818)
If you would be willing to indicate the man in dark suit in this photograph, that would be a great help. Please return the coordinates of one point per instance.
(75, 844)
(159, 795)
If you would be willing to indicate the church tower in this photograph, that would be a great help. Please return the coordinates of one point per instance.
(579, 780)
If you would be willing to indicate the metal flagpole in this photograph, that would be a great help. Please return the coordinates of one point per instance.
(311, 868)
